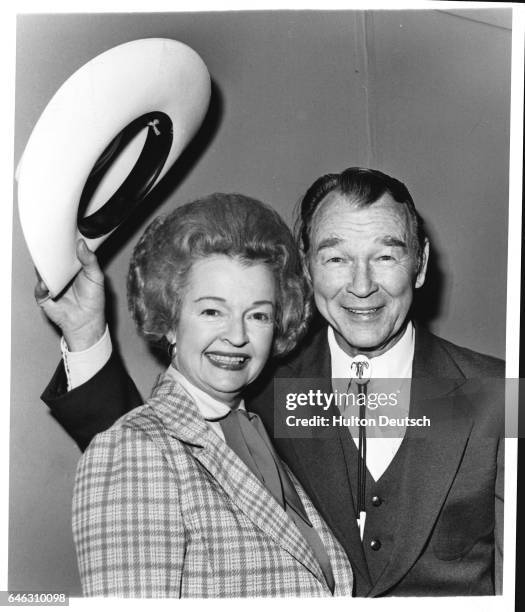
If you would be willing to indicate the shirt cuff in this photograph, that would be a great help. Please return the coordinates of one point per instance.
(80, 366)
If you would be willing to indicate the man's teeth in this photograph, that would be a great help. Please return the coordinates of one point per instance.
(227, 359)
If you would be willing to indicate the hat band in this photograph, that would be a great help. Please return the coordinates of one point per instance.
(138, 182)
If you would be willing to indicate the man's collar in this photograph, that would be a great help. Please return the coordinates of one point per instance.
(394, 363)
(210, 408)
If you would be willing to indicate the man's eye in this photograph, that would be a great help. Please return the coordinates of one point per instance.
(386, 258)
(334, 259)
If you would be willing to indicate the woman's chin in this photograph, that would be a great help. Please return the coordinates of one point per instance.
(228, 391)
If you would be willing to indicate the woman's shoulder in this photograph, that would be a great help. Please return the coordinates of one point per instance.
(140, 419)
(163, 425)
(141, 426)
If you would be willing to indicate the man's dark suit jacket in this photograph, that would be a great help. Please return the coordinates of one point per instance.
(448, 524)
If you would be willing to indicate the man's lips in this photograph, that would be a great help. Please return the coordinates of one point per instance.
(228, 361)
(363, 312)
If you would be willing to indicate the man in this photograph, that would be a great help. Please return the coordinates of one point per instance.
(430, 509)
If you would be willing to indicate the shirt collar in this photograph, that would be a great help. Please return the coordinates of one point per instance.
(210, 408)
(394, 363)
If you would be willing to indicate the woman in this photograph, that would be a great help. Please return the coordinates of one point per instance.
(185, 496)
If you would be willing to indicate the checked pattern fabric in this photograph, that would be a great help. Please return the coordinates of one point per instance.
(163, 507)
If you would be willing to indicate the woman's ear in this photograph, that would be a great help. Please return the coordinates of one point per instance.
(171, 337)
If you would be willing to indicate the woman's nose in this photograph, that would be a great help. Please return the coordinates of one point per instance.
(235, 333)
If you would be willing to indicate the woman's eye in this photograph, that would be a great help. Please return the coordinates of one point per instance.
(211, 312)
(385, 258)
(263, 317)
(334, 259)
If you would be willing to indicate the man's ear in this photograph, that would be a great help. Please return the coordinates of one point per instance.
(422, 272)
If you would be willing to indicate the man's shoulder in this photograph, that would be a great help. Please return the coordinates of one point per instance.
(471, 363)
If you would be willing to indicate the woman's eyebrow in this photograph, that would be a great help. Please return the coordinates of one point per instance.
(210, 297)
(220, 299)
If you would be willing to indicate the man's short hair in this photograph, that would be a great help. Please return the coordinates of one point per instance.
(364, 187)
(220, 224)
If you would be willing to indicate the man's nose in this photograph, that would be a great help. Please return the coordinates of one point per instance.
(235, 333)
(362, 282)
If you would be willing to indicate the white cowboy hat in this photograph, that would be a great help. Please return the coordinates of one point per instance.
(155, 92)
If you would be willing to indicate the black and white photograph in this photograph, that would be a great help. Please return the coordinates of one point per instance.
(223, 222)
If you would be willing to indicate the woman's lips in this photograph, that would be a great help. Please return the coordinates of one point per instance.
(228, 361)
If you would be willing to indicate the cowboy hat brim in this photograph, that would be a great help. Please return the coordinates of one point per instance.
(161, 81)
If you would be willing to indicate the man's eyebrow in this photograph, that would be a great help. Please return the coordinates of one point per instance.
(392, 241)
(388, 240)
(326, 243)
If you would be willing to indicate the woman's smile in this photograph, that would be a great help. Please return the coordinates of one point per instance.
(228, 361)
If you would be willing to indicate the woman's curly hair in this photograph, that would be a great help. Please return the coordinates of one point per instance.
(219, 224)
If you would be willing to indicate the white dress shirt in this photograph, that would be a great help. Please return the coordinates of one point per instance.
(396, 363)
(80, 366)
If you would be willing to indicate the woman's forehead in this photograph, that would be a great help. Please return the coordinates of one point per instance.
(230, 278)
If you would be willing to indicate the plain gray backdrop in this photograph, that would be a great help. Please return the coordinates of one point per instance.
(421, 95)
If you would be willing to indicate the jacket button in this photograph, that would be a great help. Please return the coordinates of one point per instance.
(376, 500)
(375, 544)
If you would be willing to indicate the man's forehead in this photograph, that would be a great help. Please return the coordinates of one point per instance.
(337, 215)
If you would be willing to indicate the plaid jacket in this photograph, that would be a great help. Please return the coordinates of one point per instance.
(164, 508)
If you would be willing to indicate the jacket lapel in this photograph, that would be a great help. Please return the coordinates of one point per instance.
(431, 457)
(319, 462)
(184, 422)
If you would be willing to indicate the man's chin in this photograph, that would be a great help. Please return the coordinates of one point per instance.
(365, 344)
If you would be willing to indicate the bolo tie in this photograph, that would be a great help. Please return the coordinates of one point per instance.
(360, 367)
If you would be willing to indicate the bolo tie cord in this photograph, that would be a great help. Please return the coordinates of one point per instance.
(361, 465)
